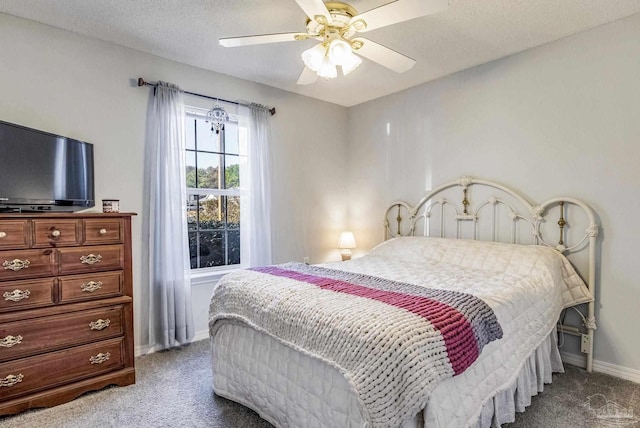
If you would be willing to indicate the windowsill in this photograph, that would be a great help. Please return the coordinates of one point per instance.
(212, 276)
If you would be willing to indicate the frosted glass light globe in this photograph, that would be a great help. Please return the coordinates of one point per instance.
(327, 69)
(339, 51)
(314, 57)
(351, 64)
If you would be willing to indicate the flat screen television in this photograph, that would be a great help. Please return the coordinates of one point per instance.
(43, 172)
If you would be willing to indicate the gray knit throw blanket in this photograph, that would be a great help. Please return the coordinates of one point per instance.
(393, 342)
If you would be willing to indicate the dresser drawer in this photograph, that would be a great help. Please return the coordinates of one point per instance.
(55, 233)
(93, 286)
(46, 371)
(14, 234)
(26, 294)
(38, 335)
(26, 264)
(89, 259)
(103, 231)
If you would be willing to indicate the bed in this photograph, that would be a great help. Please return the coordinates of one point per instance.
(450, 322)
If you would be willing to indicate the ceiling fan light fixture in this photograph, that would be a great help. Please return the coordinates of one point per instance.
(327, 69)
(314, 57)
(324, 59)
(351, 64)
(340, 52)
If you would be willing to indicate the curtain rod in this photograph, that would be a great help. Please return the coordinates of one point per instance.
(142, 82)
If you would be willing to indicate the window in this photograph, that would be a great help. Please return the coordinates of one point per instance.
(213, 192)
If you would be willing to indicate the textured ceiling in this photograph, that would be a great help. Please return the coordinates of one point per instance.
(468, 33)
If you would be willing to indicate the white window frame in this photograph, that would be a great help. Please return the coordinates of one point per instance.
(210, 274)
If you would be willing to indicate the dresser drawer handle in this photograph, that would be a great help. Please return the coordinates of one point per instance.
(91, 286)
(16, 295)
(55, 233)
(11, 380)
(3, 234)
(90, 259)
(99, 324)
(16, 264)
(100, 358)
(10, 341)
(102, 231)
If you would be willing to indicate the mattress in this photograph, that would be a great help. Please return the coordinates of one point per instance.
(526, 287)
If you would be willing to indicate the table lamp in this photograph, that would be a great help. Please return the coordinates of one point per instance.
(346, 242)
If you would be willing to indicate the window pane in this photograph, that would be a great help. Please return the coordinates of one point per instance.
(193, 249)
(208, 171)
(211, 212)
(191, 169)
(233, 212)
(231, 138)
(190, 131)
(192, 213)
(233, 243)
(211, 249)
(232, 171)
(207, 139)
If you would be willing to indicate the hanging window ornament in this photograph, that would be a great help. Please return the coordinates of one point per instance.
(217, 116)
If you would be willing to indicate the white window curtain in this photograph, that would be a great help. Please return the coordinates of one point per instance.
(255, 183)
(166, 266)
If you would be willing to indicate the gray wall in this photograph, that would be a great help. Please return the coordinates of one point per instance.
(559, 120)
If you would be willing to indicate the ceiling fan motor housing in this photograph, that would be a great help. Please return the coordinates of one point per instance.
(340, 26)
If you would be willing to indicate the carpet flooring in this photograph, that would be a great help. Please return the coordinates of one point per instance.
(173, 389)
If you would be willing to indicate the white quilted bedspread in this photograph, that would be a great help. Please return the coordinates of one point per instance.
(538, 283)
(526, 286)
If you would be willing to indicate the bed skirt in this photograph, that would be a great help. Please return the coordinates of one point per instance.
(536, 371)
(292, 389)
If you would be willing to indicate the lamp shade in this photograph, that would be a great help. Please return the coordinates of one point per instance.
(328, 69)
(347, 240)
(314, 57)
(339, 51)
(324, 58)
(350, 63)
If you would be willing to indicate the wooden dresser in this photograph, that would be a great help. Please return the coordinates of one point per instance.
(66, 307)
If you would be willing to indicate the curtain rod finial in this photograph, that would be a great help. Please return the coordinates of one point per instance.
(141, 81)
(272, 110)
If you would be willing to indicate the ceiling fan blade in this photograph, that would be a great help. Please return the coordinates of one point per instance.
(314, 8)
(231, 42)
(384, 56)
(399, 11)
(307, 77)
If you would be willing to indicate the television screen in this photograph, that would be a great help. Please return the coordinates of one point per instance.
(40, 171)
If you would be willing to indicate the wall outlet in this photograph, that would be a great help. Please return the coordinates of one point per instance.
(306, 260)
(586, 344)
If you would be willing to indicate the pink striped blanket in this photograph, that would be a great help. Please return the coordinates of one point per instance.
(392, 341)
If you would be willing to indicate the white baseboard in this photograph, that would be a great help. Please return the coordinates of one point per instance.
(573, 359)
(144, 349)
(201, 335)
(602, 367)
(141, 350)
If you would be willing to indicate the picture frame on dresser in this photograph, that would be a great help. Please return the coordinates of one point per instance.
(66, 307)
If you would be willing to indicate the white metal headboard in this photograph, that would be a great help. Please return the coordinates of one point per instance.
(493, 212)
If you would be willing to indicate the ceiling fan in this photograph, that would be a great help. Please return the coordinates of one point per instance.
(335, 25)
